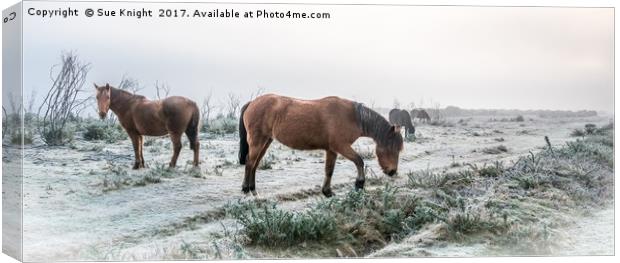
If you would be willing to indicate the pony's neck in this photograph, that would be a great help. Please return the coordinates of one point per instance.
(119, 100)
(373, 125)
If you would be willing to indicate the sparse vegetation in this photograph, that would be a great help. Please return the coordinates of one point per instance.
(223, 125)
(367, 153)
(495, 150)
(62, 102)
(518, 119)
(104, 132)
(117, 176)
(361, 220)
(267, 162)
(441, 123)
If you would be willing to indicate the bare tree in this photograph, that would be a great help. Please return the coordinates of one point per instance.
(396, 104)
(233, 104)
(259, 91)
(436, 113)
(372, 103)
(30, 106)
(411, 105)
(207, 108)
(163, 90)
(129, 84)
(62, 102)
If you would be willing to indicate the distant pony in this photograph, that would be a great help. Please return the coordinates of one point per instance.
(331, 124)
(402, 118)
(140, 116)
(420, 114)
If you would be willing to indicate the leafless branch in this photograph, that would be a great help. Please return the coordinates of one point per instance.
(61, 101)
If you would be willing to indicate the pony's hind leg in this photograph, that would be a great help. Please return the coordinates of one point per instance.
(350, 154)
(330, 163)
(261, 154)
(194, 143)
(258, 147)
(176, 147)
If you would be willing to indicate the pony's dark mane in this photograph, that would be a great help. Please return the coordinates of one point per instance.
(115, 92)
(377, 127)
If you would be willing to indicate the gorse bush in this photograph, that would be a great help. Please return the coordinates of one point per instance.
(56, 137)
(359, 218)
(105, 132)
(223, 125)
(270, 226)
(16, 138)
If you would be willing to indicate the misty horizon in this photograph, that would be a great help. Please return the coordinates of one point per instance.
(467, 57)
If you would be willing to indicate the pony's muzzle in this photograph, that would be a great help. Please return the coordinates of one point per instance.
(390, 172)
(102, 115)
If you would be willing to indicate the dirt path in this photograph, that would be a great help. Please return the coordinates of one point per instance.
(69, 217)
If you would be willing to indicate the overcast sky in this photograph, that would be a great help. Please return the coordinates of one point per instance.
(470, 57)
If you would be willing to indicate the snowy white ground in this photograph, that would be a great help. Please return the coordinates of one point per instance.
(69, 216)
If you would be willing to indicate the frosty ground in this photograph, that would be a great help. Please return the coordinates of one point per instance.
(83, 202)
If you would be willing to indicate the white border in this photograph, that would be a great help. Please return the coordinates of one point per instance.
(549, 3)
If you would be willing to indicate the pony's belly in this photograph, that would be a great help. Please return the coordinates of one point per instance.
(302, 142)
(154, 130)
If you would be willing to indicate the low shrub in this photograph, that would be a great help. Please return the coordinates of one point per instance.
(223, 125)
(495, 150)
(104, 132)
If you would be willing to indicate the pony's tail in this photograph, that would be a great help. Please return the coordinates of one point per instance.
(244, 147)
(192, 128)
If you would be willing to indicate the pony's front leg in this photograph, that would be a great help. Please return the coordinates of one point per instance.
(351, 155)
(141, 150)
(330, 163)
(136, 150)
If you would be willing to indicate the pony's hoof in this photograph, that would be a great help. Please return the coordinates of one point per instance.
(136, 167)
(245, 189)
(254, 193)
(359, 184)
(328, 192)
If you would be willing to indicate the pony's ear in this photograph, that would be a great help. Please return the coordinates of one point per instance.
(96, 87)
(107, 86)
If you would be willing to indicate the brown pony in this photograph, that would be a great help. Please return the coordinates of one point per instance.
(331, 124)
(140, 116)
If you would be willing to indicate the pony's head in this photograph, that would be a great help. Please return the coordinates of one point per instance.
(389, 150)
(103, 99)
